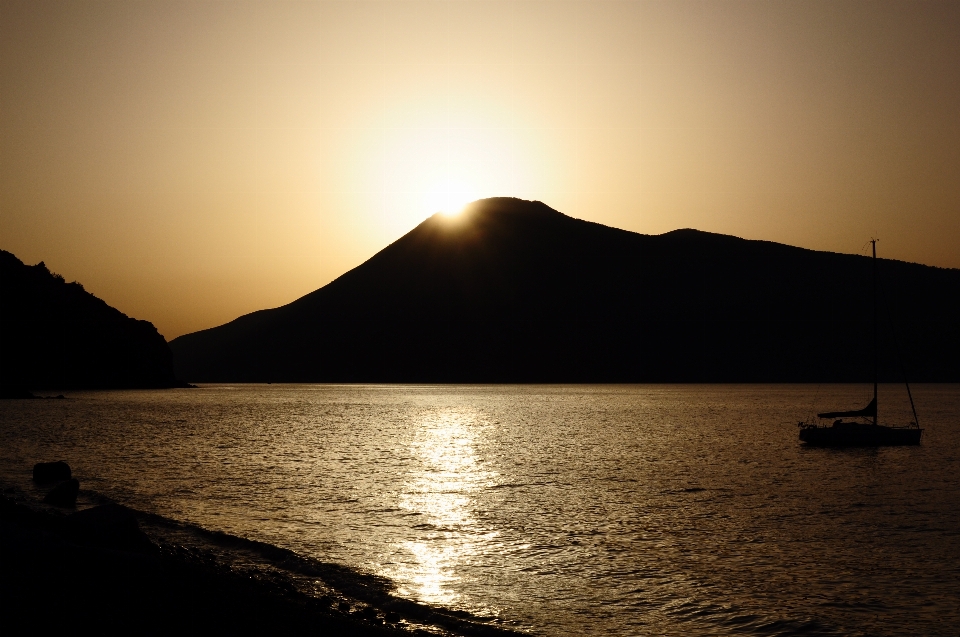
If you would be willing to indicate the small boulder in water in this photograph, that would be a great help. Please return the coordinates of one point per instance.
(64, 494)
(47, 472)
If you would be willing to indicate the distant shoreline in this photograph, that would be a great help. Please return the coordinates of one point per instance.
(18, 392)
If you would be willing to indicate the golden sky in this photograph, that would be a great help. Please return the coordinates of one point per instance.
(192, 161)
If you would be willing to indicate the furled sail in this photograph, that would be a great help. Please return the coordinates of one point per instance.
(870, 411)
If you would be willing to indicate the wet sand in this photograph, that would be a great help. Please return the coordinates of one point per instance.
(113, 569)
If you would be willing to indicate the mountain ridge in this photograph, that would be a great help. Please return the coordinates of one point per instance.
(514, 291)
(56, 335)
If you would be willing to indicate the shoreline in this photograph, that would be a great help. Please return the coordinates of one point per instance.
(121, 569)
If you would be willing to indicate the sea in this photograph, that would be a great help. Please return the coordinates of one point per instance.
(552, 510)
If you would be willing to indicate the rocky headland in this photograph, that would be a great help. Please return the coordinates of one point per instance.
(56, 335)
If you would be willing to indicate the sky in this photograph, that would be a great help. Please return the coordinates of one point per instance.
(193, 161)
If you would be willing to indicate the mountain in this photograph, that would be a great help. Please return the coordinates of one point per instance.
(56, 335)
(514, 291)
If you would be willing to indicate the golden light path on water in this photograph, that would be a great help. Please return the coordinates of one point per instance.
(446, 479)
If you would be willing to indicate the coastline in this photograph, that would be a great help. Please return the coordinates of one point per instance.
(120, 569)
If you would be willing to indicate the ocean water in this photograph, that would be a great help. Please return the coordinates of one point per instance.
(628, 510)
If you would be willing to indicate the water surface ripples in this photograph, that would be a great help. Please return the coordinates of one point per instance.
(559, 509)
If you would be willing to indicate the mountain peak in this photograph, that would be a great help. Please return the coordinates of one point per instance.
(515, 291)
(495, 210)
(510, 206)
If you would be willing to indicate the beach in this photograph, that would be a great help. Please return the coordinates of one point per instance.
(113, 569)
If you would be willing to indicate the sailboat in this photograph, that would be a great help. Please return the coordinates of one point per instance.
(866, 431)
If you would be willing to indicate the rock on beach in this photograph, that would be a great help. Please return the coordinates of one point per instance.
(64, 494)
(109, 525)
(47, 472)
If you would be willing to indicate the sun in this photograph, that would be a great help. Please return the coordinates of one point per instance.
(449, 196)
(440, 158)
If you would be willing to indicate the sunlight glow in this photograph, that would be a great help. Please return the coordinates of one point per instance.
(449, 196)
(443, 157)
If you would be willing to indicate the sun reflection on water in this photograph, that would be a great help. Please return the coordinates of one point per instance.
(443, 487)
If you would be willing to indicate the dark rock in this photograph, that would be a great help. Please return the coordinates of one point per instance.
(343, 607)
(64, 494)
(369, 614)
(392, 617)
(111, 526)
(414, 610)
(47, 472)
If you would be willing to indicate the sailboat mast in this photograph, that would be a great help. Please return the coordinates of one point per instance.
(876, 370)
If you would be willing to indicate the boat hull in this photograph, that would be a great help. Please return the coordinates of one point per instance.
(861, 436)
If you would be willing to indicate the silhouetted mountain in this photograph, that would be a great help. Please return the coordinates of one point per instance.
(513, 291)
(54, 334)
